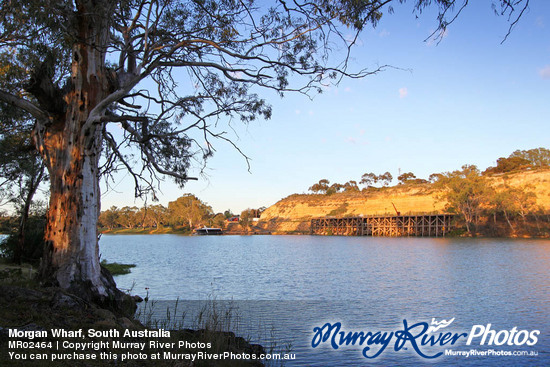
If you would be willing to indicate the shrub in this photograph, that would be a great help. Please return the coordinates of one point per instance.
(34, 241)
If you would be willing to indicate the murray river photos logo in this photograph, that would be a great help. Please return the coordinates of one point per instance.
(427, 340)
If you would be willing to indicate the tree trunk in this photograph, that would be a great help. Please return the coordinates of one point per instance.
(71, 254)
(71, 151)
(509, 222)
(32, 186)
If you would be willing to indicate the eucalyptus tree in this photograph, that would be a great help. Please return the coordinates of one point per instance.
(368, 179)
(467, 193)
(406, 177)
(320, 187)
(188, 210)
(386, 178)
(21, 171)
(162, 77)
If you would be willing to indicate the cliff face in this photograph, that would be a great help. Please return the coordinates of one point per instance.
(292, 214)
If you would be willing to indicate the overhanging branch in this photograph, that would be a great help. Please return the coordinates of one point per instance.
(25, 105)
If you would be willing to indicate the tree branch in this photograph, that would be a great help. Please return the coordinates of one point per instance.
(27, 106)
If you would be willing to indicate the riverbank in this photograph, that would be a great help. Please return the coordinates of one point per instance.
(518, 205)
(525, 218)
(37, 312)
(163, 230)
(232, 228)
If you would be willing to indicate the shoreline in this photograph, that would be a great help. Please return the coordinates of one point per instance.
(51, 315)
(252, 233)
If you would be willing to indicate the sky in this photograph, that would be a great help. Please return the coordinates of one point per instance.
(468, 99)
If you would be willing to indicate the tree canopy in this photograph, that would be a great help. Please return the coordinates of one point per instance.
(189, 210)
(521, 160)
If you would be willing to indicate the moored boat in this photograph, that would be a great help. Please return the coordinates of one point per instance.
(206, 231)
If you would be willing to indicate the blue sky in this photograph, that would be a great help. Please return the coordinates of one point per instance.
(468, 99)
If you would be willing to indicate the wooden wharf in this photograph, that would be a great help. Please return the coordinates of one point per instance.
(429, 225)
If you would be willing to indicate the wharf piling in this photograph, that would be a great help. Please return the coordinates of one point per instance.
(429, 225)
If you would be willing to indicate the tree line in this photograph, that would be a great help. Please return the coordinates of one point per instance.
(368, 180)
(490, 209)
(187, 211)
(482, 206)
(519, 160)
(185, 214)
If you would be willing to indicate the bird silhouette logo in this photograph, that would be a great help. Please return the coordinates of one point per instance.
(435, 325)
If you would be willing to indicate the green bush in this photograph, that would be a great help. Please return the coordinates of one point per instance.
(34, 241)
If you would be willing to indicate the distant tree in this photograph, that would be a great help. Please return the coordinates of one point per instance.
(385, 178)
(149, 216)
(334, 188)
(6, 222)
(515, 201)
(128, 217)
(144, 218)
(508, 165)
(109, 218)
(217, 221)
(406, 177)
(521, 160)
(368, 179)
(501, 203)
(228, 214)
(256, 213)
(466, 193)
(320, 187)
(245, 219)
(538, 157)
(189, 211)
(21, 171)
(153, 216)
(351, 186)
(434, 177)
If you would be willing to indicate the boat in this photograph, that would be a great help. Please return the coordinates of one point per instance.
(206, 231)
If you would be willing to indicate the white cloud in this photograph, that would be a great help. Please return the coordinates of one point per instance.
(545, 72)
(384, 33)
(403, 92)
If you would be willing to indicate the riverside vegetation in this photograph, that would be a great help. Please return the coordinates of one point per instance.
(30, 307)
(27, 305)
(511, 199)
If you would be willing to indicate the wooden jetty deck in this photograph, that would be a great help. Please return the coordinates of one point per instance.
(429, 225)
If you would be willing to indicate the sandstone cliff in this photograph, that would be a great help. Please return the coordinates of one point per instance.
(293, 214)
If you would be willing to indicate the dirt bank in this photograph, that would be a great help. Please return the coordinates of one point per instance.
(292, 214)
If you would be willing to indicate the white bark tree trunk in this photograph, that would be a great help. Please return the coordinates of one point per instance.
(71, 148)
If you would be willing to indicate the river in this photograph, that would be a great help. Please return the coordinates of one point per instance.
(282, 287)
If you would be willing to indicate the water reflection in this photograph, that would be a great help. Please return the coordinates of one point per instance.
(364, 282)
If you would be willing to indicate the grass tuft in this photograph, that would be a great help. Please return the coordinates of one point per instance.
(117, 268)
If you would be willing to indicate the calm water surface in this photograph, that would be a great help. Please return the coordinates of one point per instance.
(291, 284)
